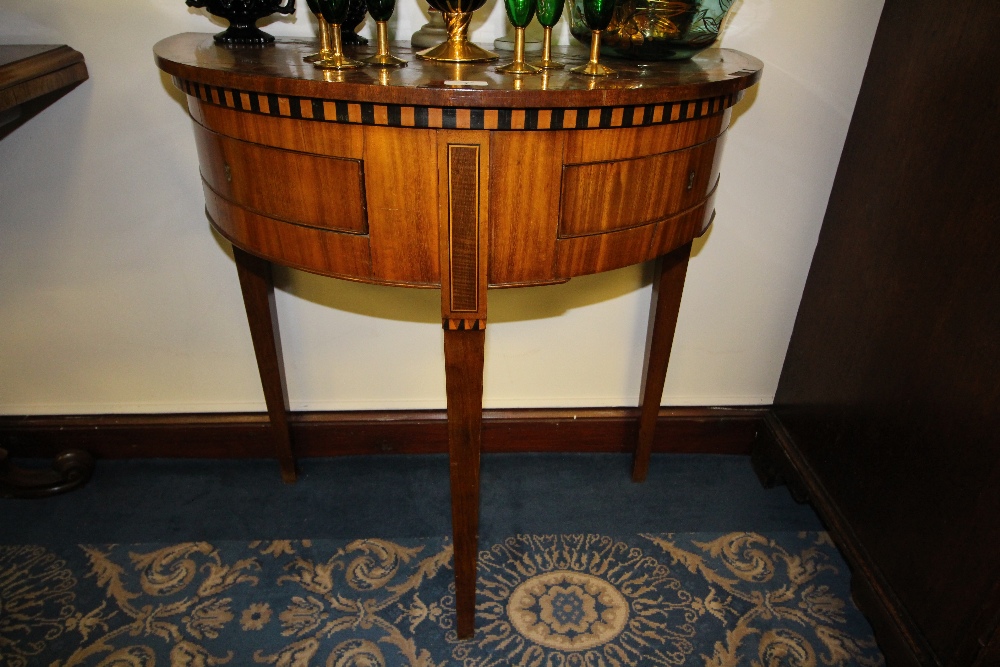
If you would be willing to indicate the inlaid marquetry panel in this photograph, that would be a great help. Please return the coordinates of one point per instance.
(463, 175)
(476, 118)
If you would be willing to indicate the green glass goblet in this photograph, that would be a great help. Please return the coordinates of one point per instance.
(519, 13)
(597, 14)
(549, 12)
(335, 11)
(381, 11)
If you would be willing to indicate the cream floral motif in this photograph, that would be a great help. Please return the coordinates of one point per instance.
(256, 616)
(578, 600)
(755, 559)
(568, 611)
(736, 600)
(36, 603)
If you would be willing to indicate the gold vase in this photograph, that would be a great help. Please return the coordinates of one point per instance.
(457, 48)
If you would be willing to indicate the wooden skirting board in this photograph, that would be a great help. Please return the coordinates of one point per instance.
(246, 435)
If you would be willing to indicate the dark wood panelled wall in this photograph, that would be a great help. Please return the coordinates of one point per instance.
(889, 399)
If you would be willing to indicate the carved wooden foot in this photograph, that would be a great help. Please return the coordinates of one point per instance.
(70, 470)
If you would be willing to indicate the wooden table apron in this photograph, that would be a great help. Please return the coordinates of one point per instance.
(397, 178)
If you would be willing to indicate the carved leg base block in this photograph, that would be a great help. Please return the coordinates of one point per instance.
(70, 470)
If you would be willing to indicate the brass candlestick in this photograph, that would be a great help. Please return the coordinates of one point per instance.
(594, 68)
(458, 48)
(383, 58)
(518, 66)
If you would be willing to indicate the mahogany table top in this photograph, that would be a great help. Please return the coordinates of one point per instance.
(279, 69)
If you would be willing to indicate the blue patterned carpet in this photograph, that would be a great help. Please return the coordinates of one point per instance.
(543, 600)
(177, 563)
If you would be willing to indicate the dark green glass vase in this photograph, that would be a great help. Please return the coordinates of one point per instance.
(654, 29)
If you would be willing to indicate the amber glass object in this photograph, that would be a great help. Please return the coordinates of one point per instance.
(655, 29)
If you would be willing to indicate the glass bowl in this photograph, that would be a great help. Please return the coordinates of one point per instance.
(655, 29)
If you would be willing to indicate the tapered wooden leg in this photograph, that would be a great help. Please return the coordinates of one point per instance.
(258, 297)
(463, 358)
(668, 283)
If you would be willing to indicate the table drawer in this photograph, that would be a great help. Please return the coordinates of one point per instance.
(306, 189)
(607, 196)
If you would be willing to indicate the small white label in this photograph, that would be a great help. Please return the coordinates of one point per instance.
(466, 83)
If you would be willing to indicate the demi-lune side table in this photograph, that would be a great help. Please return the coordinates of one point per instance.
(457, 178)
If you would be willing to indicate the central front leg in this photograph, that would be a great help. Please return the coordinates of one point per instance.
(463, 177)
(463, 359)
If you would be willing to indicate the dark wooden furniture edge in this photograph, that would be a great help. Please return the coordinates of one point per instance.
(246, 435)
(778, 461)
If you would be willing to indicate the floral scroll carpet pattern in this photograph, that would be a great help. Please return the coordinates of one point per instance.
(712, 600)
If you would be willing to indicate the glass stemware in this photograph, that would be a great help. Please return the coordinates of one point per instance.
(335, 11)
(549, 12)
(324, 39)
(519, 13)
(381, 11)
(597, 14)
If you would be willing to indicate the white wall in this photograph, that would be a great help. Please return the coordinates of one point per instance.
(116, 297)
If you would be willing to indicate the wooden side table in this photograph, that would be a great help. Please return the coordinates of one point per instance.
(32, 76)
(458, 178)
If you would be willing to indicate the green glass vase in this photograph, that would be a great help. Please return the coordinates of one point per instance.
(654, 29)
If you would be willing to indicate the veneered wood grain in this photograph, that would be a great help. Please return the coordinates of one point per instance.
(302, 188)
(321, 251)
(675, 231)
(331, 139)
(607, 196)
(633, 142)
(580, 255)
(401, 179)
(524, 206)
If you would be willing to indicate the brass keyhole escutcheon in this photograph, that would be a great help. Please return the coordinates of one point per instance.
(690, 179)
(229, 174)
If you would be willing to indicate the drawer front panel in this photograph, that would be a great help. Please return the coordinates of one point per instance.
(326, 252)
(616, 195)
(322, 192)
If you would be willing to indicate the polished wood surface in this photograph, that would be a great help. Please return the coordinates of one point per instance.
(668, 283)
(29, 71)
(890, 391)
(32, 76)
(248, 435)
(399, 178)
(279, 69)
(258, 297)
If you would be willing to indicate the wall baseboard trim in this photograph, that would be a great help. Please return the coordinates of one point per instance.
(245, 435)
(777, 460)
